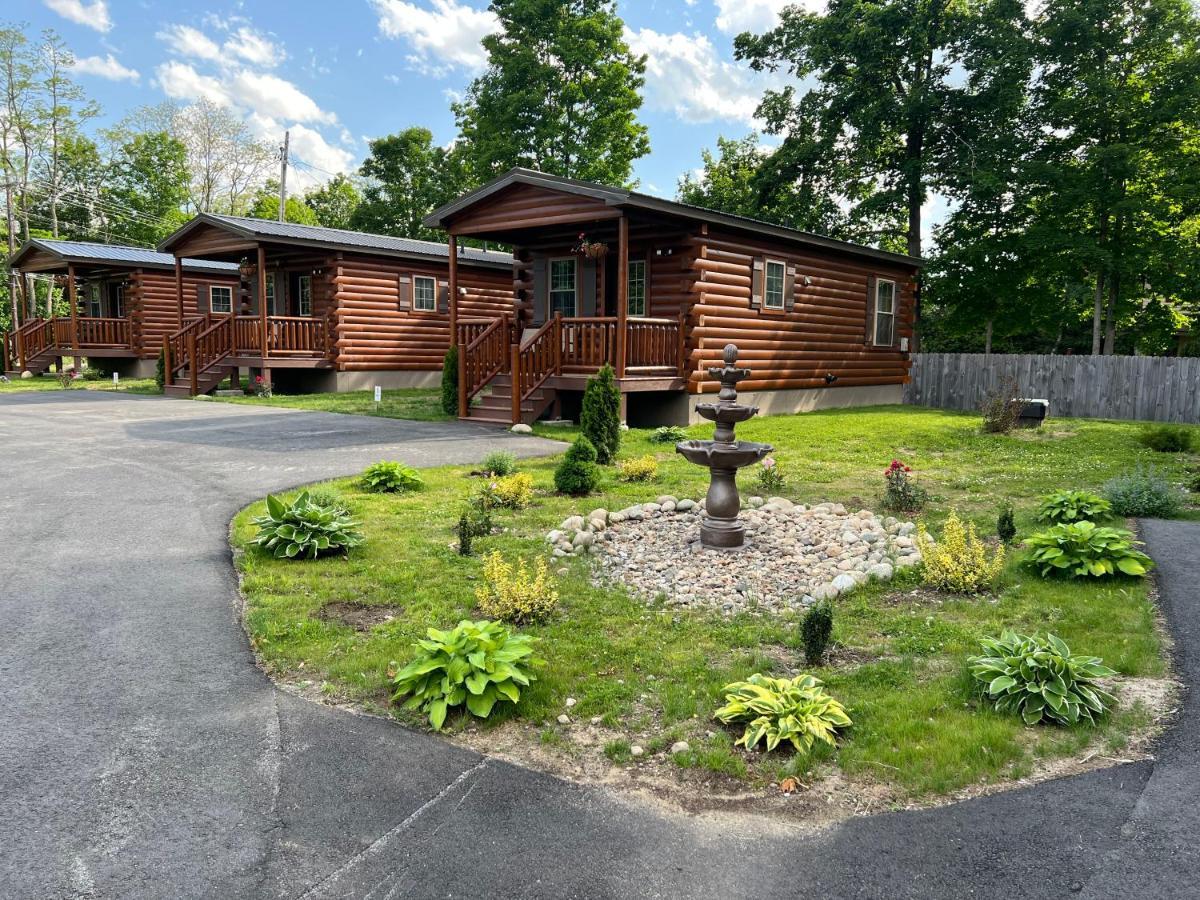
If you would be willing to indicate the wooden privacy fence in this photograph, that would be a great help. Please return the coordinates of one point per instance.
(1150, 388)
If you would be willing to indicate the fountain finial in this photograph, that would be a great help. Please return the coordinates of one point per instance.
(731, 353)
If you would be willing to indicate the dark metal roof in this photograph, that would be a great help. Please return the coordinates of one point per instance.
(619, 197)
(337, 238)
(116, 255)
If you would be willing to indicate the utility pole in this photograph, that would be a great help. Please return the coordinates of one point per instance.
(12, 250)
(283, 164)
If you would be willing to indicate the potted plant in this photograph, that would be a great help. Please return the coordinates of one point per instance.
(590, 249)
(247, 268)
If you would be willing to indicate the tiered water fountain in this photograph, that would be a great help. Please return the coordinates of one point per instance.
(723, 456)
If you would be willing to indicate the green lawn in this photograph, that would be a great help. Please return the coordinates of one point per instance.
(51, 383)
(655, 674)
(409, 403)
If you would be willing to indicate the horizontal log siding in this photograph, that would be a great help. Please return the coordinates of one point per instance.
(823, 333)
(154, 308)
(526, 206)
(374, 334)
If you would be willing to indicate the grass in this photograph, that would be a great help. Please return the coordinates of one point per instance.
(655, 674)
(51, 383)
(420, 404)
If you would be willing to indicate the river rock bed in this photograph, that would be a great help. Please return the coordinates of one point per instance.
(795, 554)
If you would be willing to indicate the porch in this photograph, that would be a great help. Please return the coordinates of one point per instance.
(40, 343)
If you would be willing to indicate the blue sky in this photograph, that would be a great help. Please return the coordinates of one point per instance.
(339, 74)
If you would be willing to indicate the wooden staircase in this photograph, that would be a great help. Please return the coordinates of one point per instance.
(196, 358)
(496, 406)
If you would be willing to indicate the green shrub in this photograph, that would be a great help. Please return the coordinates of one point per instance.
(600, 418)
(668, 434)
(577, 474)
(390, 478)
(1000, 408)
(512, 491)
(783, 709)
(1193, 480)
(959, 562)
(513, 593)
(500, 463)
(1073, 506)
(1085, 549)
(465, 534)
(1039, 679)
(815, 631)
(330, 499)
(160, 370)
(641, 468)
(450, 381)
(303, 529)
(1006, 527)
(1143, 493)
(902, 493)
(478, 663)
(1167, 438)
(770, 479)
(478, 513)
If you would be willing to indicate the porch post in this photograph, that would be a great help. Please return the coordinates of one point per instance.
(262, 308)
(74, 313)
(453, 288)
(622, 290)
(179, 289)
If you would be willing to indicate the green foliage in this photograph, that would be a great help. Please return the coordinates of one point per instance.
(1073, 506)
(450, 381)
(466, 534)
(668, 434)
(1000, 407)
(1193, 480)
(160, 370)
(500, 463)
(902, 493)
(477, 663)
(1085, 549)
(816, 629)
(1144, 494)
(390, 477)
(782, 709)
(640, 468)
(600, 418)
(303, 529)
(577, 474)
(770, 479)
(265, 205)
(1039, 680)
(1168, 438)
(334, 202)
(1006, 527)
(512, 491)
(959, 562)
(513, 593)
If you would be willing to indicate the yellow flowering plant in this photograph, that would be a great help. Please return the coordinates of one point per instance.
(513, 593)
(960, 562)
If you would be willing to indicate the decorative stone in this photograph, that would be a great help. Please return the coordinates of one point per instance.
(685, 505)
(521, 428)
(564, 719)
(599, 515)
(882, 571)
(571, 701)
(665, 499)
(636, 751)
(583, 539)
(575, 523)
(554, 537)
(755, 502)
(844, 583)
(680, 747)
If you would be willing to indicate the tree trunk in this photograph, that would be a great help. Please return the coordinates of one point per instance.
(987, 339)
(1098, 313)
(1110, 315)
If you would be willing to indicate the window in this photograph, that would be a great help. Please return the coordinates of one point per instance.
(562, 286)
(304, 295)
(637, 287)
(117, 302)
(220, 298)
(94, 301)
(885, 313)
(773, 286)
(424, 293)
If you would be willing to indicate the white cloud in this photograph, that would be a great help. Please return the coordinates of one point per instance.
(736, 16)
(444, 36)
(272, 96)
(93, 15)
(686, 76)
(185, 40)
(254, 47)
(106, 67)
(179, 81)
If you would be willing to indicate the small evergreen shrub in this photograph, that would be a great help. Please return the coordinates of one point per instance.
(500, 463)
(770, 479)
(668, 434)
(160, 370)
(600, 418)
(1039, 679)
(782, 709)
(1142, 493)
(513, 593)
(1000, 408)
(959, 562)
(388, 477)
(641, 468)
(902, 493)
(1006, 527)
(1168, 438)
(465, 534)
(303, 529)
(450, 381)
(1073, 506)
(577, 474)
(815, 631)
(1085, 549)
(478, 664)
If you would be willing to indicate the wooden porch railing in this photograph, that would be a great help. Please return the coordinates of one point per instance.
(206, 349)
(83, 333)
(297, 336)
(96, 333)
(654, 344)
(532, 364)
(175, 347)
(207, 340)
(484, 356)
(31, 339)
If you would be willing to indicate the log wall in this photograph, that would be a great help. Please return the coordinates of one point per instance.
(154, 309)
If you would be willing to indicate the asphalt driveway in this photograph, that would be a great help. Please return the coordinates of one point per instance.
(142, 753)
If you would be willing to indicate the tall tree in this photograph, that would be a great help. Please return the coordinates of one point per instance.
(226, 161)
(334, 202)
(560, 94)
(265, 205)
(64, 109)
(147, 187)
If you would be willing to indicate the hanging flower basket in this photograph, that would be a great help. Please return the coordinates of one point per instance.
(247, 269)
(588, 249)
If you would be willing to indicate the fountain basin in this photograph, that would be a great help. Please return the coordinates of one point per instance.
(714, 455)
(724, 413)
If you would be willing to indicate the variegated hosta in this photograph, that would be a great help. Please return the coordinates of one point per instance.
(783, 709)
(304, 529)
(477, 663)
(1073, 506)
(1083, 549)
(1039, 679)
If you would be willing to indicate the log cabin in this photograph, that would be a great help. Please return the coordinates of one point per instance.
(343, 310)
(656, 289)
(122, 302)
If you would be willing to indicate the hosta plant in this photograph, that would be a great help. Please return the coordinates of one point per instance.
(1073, 506)
(1038, 679)
(304, 529)
(960, 562)
(668, 434)
(390, 478)
(478, 664)
(1085, 549)
(783, 709)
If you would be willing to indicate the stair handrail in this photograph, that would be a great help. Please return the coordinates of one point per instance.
(481, 360)
(537, 361)
(176, 349)
(208, 348)
(34, 338)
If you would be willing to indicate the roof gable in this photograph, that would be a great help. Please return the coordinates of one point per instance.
(49, 253)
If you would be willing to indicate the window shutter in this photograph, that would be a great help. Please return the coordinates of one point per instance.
(789, 289)
(404, 292)
(541, 291)
(586, 291)
(757, 279)
(443, 296)
(869, 325)
(202, 299)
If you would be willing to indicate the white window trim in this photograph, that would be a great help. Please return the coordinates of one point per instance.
(879, 282)
(432, 307)
(95, 310)
(272, 294)
(301, 280)
(212, 289)
(117, 302)
(767, 304)
(550, 292)
(629, 290)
